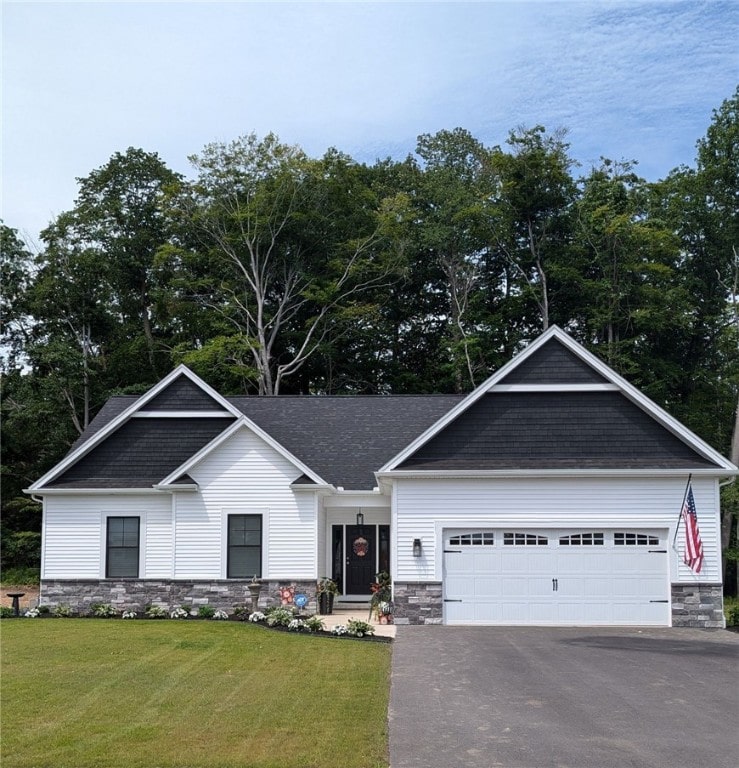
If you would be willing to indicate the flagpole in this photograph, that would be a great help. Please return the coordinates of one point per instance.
(682, 507)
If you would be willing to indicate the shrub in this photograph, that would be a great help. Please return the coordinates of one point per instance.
(731, 611)
(31, 613)
(206, 611)
(241, 612)
(179, 613)
(314, 624)
(220, 615)
(280, 617)
(359, 628)
(63, 611)
(44, 609)
(6, 612)
(128, 615)
(103, 610)
(296, 625)
(21, 550)
(155, 612)
(257, 616)
(12, 577)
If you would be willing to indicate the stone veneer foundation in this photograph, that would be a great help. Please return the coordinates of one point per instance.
(693, 605)
(698, 605)
(417, 603)
(137, 594)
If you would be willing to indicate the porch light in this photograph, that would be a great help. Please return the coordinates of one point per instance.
(360, 518)
(417, 548)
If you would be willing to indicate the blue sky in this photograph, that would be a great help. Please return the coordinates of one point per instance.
(630, 80)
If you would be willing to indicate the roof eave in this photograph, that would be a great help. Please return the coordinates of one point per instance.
(568, 472)
(92, 491)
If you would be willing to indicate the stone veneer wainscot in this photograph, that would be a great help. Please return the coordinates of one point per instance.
(698, 605)
(136, 594)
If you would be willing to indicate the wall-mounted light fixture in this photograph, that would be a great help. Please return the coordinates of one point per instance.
(417, 548)
(360, 518)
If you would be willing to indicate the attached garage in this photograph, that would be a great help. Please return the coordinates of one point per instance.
(556, 577)
(552, 495)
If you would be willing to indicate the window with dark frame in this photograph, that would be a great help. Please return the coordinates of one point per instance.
(244, 546)
(122, 548)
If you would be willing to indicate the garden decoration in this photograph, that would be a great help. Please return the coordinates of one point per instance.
(287, 595)
(301, 601)
(255, 588)
(326, 589)
(381, 600)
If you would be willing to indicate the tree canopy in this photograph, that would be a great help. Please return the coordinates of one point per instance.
(269, 271)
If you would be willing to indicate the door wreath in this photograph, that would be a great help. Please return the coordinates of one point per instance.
(360, 546)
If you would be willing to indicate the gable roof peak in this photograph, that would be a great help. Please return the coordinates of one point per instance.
(609, 379)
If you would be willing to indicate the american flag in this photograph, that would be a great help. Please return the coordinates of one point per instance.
(693, 555)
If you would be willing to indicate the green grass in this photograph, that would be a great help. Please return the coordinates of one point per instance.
(78, 693)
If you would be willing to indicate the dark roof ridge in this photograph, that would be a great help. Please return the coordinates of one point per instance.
(346, 396)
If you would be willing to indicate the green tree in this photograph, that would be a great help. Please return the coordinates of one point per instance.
(16, 274)
(271, 261)
(530, 216)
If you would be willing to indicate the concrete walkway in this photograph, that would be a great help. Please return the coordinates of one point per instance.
(342, 615)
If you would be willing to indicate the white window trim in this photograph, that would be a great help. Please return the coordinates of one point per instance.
(263, 512)
(104, 541)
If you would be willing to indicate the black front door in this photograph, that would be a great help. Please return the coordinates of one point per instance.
(360, 559)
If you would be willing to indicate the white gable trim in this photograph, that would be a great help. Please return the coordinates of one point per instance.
(181, 414)
(639, 399)
(242, 421)
(122, 417)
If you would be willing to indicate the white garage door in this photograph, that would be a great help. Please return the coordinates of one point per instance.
(563, 577)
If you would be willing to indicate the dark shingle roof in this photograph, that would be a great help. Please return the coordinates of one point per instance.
(182, 394)
(345, 439)
(553, 363)
(141, 453)
(554, 430)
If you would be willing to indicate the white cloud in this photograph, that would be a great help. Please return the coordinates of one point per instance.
(81, 81)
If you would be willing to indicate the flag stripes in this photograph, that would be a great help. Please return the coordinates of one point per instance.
(693, 554)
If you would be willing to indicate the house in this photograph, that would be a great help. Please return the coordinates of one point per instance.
(549, 495)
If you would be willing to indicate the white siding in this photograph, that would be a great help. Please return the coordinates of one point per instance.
(159, 542)
(244, 475)
(423, 508)
(74, 533)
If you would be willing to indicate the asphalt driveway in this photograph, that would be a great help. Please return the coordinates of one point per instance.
(518, 697)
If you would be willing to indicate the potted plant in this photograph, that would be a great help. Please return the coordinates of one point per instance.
(381, 601)
(325, 590)
(255, 589)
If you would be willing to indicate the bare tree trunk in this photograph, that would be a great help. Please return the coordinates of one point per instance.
(727, 517)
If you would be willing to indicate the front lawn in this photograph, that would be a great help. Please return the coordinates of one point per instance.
(78, 693)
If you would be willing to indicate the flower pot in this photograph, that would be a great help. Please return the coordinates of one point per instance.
(325, 603)
(255, 590)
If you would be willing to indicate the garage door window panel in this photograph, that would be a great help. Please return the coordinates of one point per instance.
(524, 540)
(629, 539)
(477, 539)
(582, 540)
